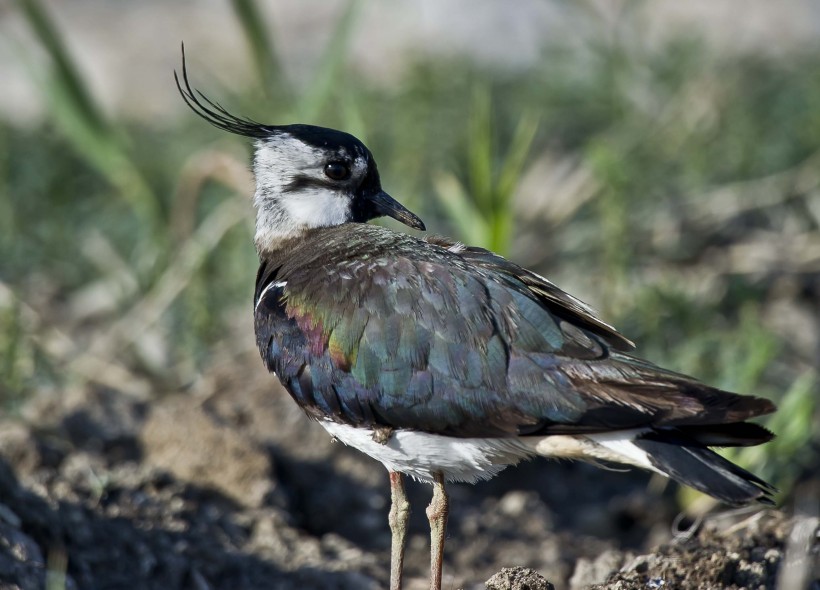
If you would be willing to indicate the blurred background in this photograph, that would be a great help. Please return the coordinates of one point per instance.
(660, 161)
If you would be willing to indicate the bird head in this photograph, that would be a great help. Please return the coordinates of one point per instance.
(306, 176)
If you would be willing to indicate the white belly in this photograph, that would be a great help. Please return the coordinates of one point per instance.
(421, 455)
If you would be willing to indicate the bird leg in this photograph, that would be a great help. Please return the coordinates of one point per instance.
(399, 513)
(437, 515)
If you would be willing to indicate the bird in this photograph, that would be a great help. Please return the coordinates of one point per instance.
(447, 362)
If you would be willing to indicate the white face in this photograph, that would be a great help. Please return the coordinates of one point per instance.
(293, 191)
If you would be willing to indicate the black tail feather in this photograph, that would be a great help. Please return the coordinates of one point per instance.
(701, 468)
(736, 434)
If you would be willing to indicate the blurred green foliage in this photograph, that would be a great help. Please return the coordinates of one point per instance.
(657, 129)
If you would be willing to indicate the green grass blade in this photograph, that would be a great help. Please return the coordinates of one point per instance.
(517, 154)
(480, 151)
(501, 217)
(81, 120)
(65, 72)
(330, 66)
(471, 225)
(265, 59)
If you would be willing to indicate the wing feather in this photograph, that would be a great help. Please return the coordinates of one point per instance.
(461, 343)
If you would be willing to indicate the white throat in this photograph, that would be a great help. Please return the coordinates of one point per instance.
(280, 217)
(281, 210)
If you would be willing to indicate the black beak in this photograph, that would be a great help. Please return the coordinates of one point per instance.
(384, 204)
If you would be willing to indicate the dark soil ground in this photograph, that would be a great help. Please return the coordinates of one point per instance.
(228, 486)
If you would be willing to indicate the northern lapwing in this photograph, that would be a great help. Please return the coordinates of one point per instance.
(446, 362)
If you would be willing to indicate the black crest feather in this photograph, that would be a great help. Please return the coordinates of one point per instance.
(215, 113)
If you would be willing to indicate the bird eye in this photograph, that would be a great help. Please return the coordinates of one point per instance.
(337, 171)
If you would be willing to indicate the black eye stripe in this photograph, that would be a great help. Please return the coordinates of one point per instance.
(299, 183)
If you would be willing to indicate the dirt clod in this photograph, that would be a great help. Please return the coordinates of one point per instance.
(181, 438)
(747, 554)
(518, 578)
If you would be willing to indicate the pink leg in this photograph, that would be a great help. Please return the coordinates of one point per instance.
(437, 515)
(399, 513)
